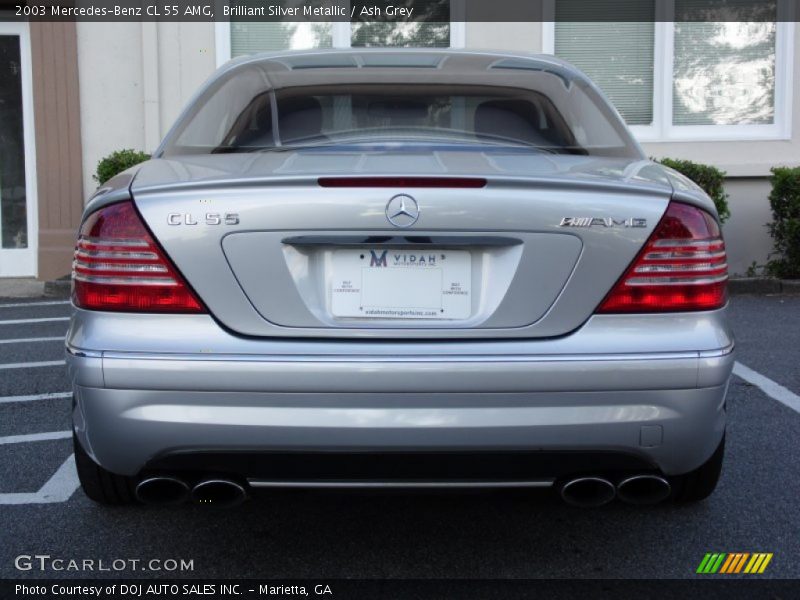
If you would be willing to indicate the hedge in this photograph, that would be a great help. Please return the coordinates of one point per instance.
(117, 162)
(785, 227)
(709, 178)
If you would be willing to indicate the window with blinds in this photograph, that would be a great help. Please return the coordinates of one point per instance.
(432, 31)
(252, 36)
(617, 56)
(724, 72)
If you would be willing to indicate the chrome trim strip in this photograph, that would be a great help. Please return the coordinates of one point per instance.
(130, 242)
(722, 352)
(684, 254)
(429, 242)
(680, 268)
(166, 281)
(347, 484)
(679, 243)
(83, 353)
(123, 267)
(116, 254)
(469, 358)
(634, 281)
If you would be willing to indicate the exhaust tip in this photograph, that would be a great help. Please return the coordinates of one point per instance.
(643, 489)
(162, 490)
(222, 493)
(588, 492)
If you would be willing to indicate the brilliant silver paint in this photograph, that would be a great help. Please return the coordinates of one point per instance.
(531, 369)
(167, 383)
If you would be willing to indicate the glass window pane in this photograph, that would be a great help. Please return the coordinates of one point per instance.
(13, 208)
(724, 73)
(409, 35)
(540, 114)
(430, 30)
(250, 37)
(254, 36)
(619, 57)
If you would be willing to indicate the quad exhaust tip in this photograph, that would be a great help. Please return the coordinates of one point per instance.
(162, 490)
(643, 489)
(222, 493)
(588, 492)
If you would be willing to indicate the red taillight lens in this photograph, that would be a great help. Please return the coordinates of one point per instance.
(682, 267)
(119, 267)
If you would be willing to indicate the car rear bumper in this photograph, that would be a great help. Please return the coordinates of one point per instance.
(134, 409)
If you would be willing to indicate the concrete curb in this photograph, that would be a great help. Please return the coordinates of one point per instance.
(60, 288)
(763, 285)
(790, 286)
(31, 288)
(21, 288)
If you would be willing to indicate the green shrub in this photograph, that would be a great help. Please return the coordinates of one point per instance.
(785, 227)
(711, 179)
(117, 162)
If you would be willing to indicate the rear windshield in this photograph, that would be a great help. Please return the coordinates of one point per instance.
(243, 114)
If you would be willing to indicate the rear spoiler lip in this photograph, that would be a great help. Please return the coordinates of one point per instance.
(492, 181)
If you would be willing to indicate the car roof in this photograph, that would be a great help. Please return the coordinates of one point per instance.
(388, 62)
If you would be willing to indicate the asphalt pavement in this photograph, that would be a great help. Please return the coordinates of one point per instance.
(501, 534)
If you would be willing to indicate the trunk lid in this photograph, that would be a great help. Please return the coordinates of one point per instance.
(272, 253)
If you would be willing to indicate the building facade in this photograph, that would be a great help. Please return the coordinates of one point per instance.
(724, 94)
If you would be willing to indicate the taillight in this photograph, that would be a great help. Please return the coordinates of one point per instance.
(118, 266)
(682, 267)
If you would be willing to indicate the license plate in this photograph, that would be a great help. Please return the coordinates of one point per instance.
(401, 284)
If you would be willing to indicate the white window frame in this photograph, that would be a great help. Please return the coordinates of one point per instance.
(23, 262)
(340, 33)
(662, 129)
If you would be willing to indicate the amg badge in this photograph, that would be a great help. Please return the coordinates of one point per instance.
(601, 222)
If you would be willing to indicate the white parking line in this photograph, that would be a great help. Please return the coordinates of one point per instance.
(59, 488)
(32, 365)
(52, 396)
(772, 389)
(35, 437)
(28, 321)
(31, 340)
(24, 304)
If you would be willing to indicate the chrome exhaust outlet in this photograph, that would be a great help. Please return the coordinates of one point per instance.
(222, 493)
(162, 491)
(588, 492)
(643, 489)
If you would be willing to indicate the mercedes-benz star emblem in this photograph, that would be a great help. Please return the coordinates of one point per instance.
(402, 211)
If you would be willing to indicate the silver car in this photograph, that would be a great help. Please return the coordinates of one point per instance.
(399, 268)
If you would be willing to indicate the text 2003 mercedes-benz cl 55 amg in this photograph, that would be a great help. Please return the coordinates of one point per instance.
(399, 269)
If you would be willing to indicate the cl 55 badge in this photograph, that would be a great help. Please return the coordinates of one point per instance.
(601, 222)
(208, 219)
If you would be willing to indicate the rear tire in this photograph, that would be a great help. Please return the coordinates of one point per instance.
(100, 485)
(699, 484)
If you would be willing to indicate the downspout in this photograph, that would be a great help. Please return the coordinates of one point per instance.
(150, 86)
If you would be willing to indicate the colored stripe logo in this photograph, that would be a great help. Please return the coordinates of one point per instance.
(731, 563)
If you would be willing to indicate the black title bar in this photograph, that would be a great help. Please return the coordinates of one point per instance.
(400, 11)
